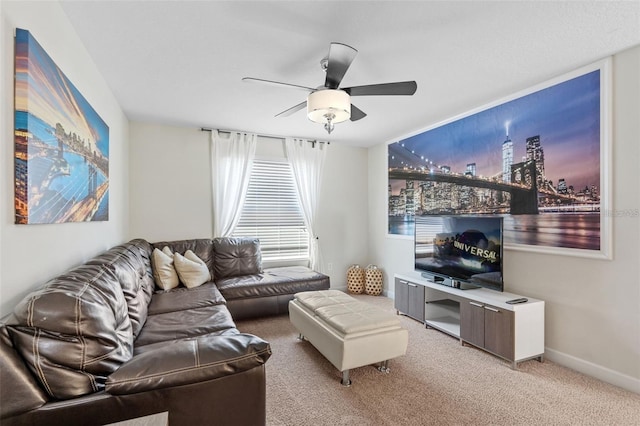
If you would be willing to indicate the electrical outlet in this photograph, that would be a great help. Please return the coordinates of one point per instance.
(329, 266)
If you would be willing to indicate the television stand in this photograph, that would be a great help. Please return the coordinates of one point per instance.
(479, 317)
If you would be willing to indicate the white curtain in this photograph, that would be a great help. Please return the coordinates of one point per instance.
(231, 162)
(307, 161)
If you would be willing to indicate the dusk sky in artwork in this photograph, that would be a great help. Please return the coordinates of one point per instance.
(43, 90)
(565, 115)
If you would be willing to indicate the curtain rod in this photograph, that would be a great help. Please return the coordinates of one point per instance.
(206, 129)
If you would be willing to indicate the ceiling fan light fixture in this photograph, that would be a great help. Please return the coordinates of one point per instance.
(329, 106)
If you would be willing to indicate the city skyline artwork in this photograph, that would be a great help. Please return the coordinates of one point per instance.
(535, 159)
(61, 144)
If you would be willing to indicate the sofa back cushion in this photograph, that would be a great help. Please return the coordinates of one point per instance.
(131, 264)
(75, 331)
(235, 256)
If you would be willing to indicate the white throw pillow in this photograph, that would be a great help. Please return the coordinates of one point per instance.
(191, 269)
(164, 272)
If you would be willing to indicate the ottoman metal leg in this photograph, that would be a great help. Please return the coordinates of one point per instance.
(345, 379)
(384, 367)
(300, 336)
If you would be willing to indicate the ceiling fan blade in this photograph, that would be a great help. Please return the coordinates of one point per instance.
(399, 88)
(292, 110)
(356, 113)
(339, 60)
(277, 83)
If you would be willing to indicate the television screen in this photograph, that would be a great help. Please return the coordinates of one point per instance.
(467, 249)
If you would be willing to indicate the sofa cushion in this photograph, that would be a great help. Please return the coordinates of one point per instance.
(192, 270)
(189, 361)
(273, 282)
(236, 256)
(164, 271)
(188, 323)
(182, 298)
(75, 331)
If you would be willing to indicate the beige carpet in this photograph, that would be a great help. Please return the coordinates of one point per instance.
(438, 382)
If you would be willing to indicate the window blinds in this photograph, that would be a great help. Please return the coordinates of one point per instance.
(272, 213)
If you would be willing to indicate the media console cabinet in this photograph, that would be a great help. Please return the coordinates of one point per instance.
(479, 317)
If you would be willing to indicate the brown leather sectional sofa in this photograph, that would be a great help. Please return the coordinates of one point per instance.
(100, 344)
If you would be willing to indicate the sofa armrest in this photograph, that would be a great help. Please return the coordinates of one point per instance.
(188, 361)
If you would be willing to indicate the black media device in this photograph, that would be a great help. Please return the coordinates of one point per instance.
(516, 301)
(460, 251)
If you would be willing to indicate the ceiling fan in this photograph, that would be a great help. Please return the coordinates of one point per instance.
(330, 104)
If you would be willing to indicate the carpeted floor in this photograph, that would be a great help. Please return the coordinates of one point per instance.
(438, 382)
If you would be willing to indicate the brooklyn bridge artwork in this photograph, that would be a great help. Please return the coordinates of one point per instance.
(61, 144)
(535, 160)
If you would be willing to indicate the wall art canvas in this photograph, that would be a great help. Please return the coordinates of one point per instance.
(540, 159)
(61, 144)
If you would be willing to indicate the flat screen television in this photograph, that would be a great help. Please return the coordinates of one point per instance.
(460, 251)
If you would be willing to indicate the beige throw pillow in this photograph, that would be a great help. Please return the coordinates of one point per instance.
(163, 270)
(191, 269)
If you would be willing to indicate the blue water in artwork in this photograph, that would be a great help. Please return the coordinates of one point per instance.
(57, 183)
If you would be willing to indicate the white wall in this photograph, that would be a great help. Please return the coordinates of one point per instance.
(592, 306)
(170, 184)
(343, 222)
(32, 254)
(170, 192)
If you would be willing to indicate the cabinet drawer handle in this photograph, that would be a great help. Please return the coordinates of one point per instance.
(491, 309)
(479, 305)
(412, 285)
(402, 282)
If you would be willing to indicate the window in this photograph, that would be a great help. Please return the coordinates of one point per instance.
(272, 213)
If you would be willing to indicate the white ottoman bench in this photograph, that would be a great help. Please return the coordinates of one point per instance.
(346, 331)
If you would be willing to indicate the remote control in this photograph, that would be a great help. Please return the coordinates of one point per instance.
(516, 301)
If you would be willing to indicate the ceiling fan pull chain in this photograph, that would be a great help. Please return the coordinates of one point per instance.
(328, 126)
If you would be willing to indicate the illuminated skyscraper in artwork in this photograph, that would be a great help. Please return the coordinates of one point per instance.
(562, 186)
(471, 169)
(535, 152)
(507, 157)
(410, 208)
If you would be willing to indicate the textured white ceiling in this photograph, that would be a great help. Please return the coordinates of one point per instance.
(181, 62)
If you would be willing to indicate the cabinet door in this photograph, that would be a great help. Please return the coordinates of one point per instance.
(472, 322)
(416, 301)
(498, 332)
(401, 295)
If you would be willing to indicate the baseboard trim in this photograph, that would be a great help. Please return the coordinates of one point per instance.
(590, 369)
(386, 293)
